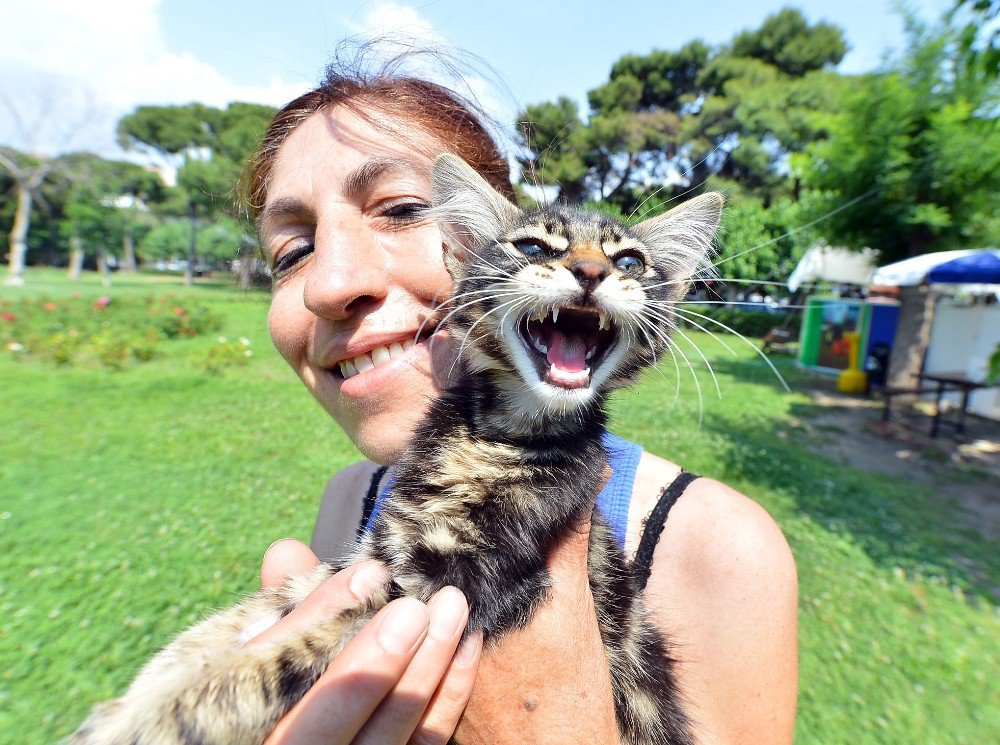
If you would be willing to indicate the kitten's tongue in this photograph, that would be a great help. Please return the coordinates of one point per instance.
(567, 359)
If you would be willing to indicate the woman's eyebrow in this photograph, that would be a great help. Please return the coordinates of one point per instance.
(283, 207)
(362, 178)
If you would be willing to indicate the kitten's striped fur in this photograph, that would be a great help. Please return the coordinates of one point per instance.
(504, 462)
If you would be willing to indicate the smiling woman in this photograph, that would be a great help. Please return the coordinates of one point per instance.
(339, 191)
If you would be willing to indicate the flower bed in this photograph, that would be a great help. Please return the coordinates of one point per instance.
(111, 332)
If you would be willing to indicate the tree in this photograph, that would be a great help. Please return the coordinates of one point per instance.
(206, 146)
(101, 206)
(919, 147)
(35, 126)
(27, 173)
(679, 117)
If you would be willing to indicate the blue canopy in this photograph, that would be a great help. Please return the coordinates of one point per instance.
(981, 267)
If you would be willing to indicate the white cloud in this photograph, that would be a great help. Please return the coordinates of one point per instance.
(114, 49)
(390, 19)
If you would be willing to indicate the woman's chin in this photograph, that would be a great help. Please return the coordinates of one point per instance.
(384, 436)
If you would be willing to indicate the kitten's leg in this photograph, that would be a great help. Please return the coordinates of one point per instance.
(206, 688)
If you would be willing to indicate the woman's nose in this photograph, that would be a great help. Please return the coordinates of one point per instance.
(347, 274)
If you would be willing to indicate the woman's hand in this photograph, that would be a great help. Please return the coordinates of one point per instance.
(400, 680)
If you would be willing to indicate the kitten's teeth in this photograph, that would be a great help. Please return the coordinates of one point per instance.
(555, 313)
(590, 353)
(604, 323)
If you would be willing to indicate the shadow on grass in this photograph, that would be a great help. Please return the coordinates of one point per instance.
(899, 521)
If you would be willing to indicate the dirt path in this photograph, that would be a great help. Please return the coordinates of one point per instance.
(964, 467)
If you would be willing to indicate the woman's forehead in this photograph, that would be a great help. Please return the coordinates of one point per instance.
(334, 143)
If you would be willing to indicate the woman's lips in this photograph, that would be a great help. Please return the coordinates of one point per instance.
(363, 374)
(374, 358)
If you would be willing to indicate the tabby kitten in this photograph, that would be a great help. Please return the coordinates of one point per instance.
(552, 309)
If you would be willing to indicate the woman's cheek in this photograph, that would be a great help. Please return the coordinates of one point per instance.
(282, 325)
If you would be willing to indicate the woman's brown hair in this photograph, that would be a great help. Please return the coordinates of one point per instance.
(450, 118)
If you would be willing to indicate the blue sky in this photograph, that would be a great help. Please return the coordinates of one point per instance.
(104, 57)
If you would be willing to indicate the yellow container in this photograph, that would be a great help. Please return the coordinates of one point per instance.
(852, 380)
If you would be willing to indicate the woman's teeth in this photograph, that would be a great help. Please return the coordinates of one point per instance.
(374, 358)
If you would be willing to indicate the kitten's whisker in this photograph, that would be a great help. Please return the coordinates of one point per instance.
(483, 295)
(677, 329)
(701, 328)
(747, 341)
(458, 355)
(677, 369)
(708, 364)
(733, 302)
(694, 376)
(676, 196)
(819, 219)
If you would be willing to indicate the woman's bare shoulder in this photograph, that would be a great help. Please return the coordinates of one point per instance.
(340, 511)
(723, 586)
(710, 526)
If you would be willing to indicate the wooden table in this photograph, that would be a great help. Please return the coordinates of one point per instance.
(952, 381)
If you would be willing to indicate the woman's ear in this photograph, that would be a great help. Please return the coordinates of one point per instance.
(469, 211)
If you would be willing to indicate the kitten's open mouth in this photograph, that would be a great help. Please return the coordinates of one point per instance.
(566, 343)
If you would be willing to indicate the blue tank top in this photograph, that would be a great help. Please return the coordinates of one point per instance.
(614, 499)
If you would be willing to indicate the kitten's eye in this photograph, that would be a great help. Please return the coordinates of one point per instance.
(630, 265)
(528, 248)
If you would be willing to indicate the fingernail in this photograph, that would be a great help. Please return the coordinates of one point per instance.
(366, 579)
(403, 627)
(468, 649)
(449, 612)
(275, 543)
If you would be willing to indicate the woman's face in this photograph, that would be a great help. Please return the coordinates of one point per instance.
(357, 271)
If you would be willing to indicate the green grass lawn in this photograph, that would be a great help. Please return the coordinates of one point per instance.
(132, 502)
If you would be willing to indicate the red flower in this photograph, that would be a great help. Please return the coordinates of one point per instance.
(179, 311)
(102, 302)
(10, 317)
(51, 306)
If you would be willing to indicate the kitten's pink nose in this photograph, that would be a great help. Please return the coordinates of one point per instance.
(589, 273)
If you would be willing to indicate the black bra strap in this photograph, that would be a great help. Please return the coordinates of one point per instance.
(371, 498)
(642, 565)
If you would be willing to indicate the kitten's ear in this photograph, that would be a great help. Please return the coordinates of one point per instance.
(681, 239)
(469, 211)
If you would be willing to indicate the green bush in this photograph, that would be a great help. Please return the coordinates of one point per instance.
(225, 354)
(750, 323)
(108, 331)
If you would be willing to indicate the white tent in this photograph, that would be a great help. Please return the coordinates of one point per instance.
(910, 272)
(834, 264)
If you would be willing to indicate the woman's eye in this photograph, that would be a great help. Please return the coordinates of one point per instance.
(630, 265)
(290, 258)
(406, 211)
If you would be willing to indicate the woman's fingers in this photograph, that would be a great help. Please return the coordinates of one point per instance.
(448, 704)
(346, 589)
(284, 559)
(344, 698)
(400, 680)
(401, 712)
